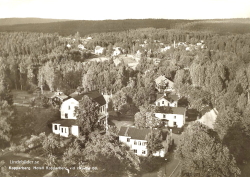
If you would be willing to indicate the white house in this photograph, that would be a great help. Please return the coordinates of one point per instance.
(117, 51)
(80, 46)
(163, 83)
(68, 45)
(98, 50)
(135, 139)
(167, 99)
(165, 49)
(172, 116)
(67, 125)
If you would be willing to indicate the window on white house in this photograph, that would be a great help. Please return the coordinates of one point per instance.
(159, 103)
(162, 102)
(139, 143)
(66, 115)
(135, 151)
(175, 124)
(62, 130)
(164, 116)
(55, 127)
(174, 117)
(65, 130)
(128, 139)
(135, 143)
(69, 107)
(143, 152)
(168, 104)
(144, 144)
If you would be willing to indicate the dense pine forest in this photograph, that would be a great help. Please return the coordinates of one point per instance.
(216, 76)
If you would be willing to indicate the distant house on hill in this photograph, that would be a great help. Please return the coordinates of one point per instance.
(117, 51)
(165, 49)
(99, 50)
(171, 116)
(167, 99)
(80, 46)
(68, 46)
(135, 139)
(67, 125)
(163, 83)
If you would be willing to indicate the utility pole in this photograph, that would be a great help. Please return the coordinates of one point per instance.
(106, 128)
(41, 84)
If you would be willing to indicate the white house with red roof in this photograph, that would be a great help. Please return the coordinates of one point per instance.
(135, 139)
(67, 124)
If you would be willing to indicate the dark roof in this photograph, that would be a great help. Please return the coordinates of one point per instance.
(122, 131)
(62, 96)
(134, 133)
(169, 97)
(94, 95)
(170, 110)
(65, 122)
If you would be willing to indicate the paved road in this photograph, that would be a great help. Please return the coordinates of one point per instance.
(170, 169)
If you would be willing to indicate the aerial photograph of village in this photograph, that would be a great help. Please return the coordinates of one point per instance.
(124, 88)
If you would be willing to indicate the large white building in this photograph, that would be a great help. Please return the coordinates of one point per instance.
(172, 116)
(67, 124)
(135, 139)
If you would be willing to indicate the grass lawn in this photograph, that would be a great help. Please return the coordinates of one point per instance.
(38, 123)
(21, 97)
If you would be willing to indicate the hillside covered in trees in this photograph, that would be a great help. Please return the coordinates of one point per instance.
(86, 27)
(16, 21)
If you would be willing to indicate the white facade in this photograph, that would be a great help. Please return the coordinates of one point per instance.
(173, 120)
(68, 109)
(75, 130)
(139, 147)
(163, 102)
(99, 50)
(64, 131)
(67, 125)
(56, 128)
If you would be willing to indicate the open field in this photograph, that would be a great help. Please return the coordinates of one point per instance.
(21, 97)
(37, 121)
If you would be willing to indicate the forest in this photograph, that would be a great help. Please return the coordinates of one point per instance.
(217, 76)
